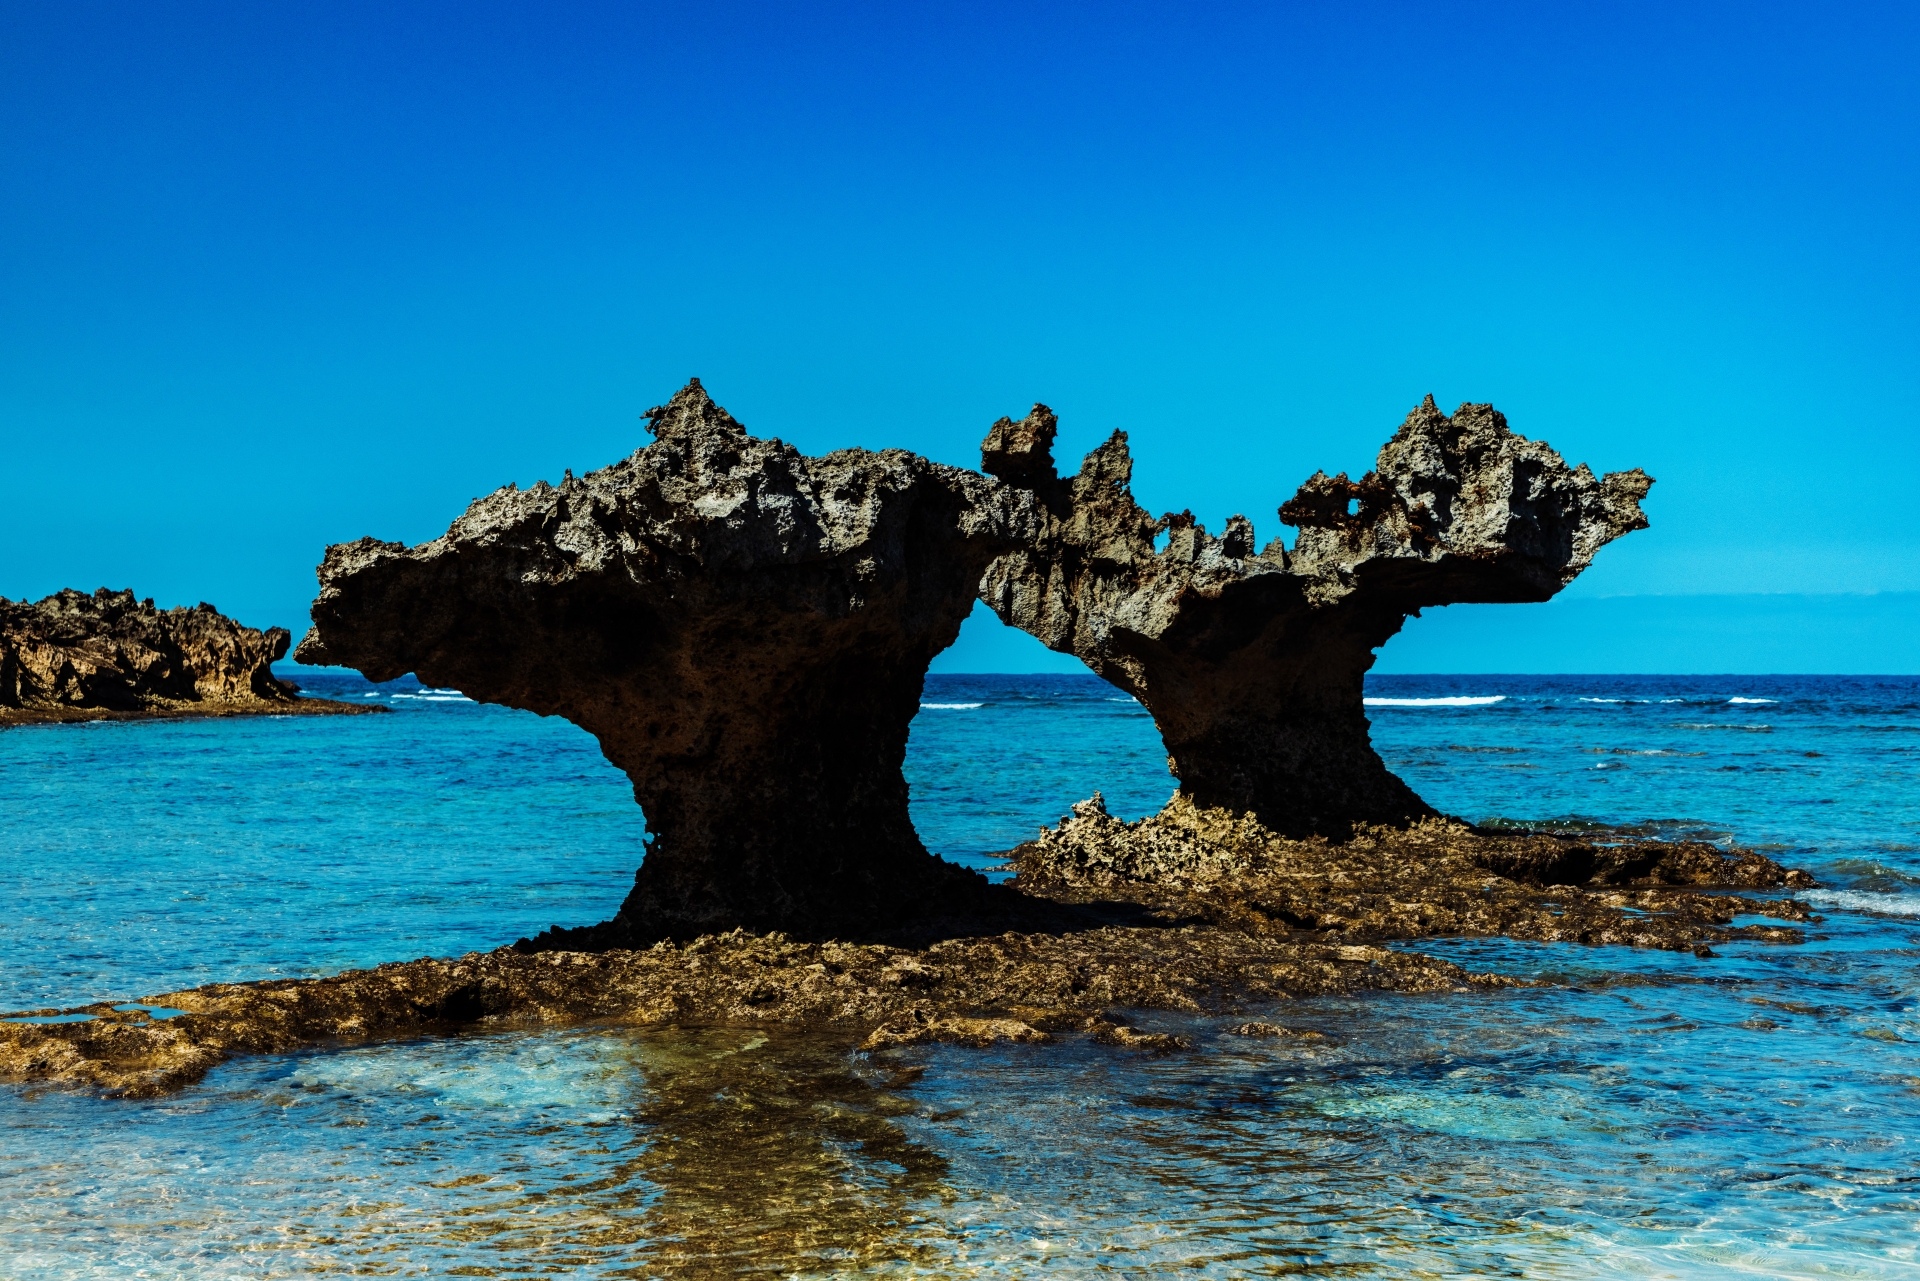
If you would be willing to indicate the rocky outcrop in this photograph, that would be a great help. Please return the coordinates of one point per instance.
(1433, 878)
(743, 627)
(73, 656)
(1252, 659)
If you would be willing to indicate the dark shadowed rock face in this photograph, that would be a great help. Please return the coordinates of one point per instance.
(1251, 660)
(743, 627)
(72, 656)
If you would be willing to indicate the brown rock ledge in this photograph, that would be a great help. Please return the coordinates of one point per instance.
(976, 990)
(1226, 916)
(108, 656)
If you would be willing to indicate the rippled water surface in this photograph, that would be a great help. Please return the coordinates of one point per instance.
(1648, 1114)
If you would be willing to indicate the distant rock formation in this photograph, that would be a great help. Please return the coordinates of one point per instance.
(1252, 660)
(743, 627)
(78, 657)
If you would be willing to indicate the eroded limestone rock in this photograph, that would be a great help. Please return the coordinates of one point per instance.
(1251, 660)
(1433, 878)
(743, 627)
(74, 656)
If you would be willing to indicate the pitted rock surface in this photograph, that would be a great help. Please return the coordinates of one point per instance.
(1252, 660)
(1432, 878)
(743, 627)
(74, 656)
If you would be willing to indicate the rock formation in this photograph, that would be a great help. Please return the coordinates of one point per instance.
(744, 628)
(77, 657)
(1251, 660)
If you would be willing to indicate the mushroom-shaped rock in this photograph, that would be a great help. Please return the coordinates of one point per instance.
(1252, 662)
(744, 628)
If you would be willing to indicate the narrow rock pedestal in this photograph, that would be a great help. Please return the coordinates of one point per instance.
(744, 628)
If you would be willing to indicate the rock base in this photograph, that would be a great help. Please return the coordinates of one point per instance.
(1222, 916)
(1438, 877)
(977, 990)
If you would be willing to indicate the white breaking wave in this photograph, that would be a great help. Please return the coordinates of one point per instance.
(1860, 901)
(1750, 700)
(1603, 700)
(1458, 700)
(953, 707)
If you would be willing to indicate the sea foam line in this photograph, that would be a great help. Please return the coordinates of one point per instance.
(954, 707)
(1860, 901)
(1458, 700)
(1750, 700)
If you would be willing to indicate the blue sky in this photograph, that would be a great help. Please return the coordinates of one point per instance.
(278, 276)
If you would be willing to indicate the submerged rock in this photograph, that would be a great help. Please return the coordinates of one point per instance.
(743, 627)
(1252, 660)
(73, 657)
(1258, 1030)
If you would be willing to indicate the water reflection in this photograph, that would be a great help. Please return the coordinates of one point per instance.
(1639, 1129)
(705, 1152)
(781, 1155)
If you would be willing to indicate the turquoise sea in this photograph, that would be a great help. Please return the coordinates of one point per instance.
(1645, 1115)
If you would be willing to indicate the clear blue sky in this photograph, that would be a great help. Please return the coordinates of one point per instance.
(273, 276)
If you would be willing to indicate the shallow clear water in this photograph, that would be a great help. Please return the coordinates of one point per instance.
(1648, 1115)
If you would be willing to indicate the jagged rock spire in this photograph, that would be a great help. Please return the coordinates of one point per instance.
(1252, 663)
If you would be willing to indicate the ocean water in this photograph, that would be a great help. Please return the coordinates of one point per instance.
(1645, 1115)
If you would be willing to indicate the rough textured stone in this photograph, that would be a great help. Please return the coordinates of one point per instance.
(73, 656)
(1252, 660)
(744, 628)
(1433, 878)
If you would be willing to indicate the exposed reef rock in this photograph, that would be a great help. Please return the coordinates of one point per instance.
(744, 628)
(1437, 877)
(75, 657)
(1252, 660)
(1231, 917)
(1017, 987)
